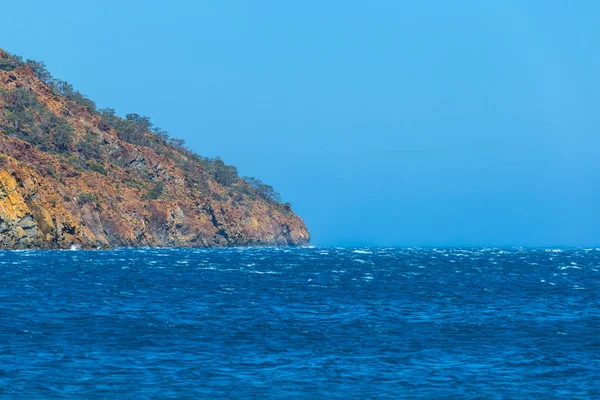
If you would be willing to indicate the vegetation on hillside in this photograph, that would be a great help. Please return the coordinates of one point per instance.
(28, 120)
(23, 116)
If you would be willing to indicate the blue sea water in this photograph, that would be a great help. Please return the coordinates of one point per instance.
(300, 323)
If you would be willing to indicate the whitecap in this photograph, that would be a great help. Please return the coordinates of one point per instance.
(265, 272)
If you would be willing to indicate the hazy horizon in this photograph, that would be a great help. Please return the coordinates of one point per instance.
(428, 124)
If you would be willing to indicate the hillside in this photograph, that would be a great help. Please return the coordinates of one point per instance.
(73, 175)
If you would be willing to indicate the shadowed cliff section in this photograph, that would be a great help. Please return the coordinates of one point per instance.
(74, 175)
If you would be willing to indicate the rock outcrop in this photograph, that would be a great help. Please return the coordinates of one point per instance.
(70, 175)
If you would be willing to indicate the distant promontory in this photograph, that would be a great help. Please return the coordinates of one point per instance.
(74, 175)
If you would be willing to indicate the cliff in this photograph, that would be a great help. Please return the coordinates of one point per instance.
(74, 175)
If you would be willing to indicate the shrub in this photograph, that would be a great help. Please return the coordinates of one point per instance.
(177, 143)
(135, 128)
(48, 131)
(20, 99)
(83, 101)
(74, 162)
(139, 130)
(89, 147)
(51, 171)
(193, 173)
(96, 167)
(19, 110)
(86, 198)
(66, 89)
(62, 134)
(10, 62)
(63, 88)
(155, 192)
(59, 86)
(135, 184)
(161, 133)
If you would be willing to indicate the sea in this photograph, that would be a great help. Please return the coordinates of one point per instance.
(301, 323)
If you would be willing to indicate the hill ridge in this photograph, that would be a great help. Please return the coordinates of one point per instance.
(73, 175)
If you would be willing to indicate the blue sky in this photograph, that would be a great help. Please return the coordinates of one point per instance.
(388, 123)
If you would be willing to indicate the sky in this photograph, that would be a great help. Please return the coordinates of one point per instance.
(384, 123)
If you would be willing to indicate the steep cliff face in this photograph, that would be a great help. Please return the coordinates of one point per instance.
(72, 175)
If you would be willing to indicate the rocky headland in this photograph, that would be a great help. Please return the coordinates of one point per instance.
(73, 175)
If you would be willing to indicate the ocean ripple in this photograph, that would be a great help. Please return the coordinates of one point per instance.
(300, 323)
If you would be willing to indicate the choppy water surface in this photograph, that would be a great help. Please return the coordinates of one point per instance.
(301, 323)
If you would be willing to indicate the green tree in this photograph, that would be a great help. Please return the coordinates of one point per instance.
(225, 175)
(265, 191)
(66, 89)
(10, 62)
(39, 68)
(140, 120)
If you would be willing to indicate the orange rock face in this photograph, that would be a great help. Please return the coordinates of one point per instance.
(52, 200)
